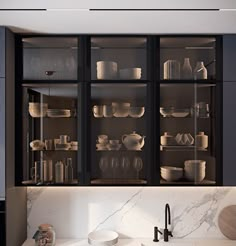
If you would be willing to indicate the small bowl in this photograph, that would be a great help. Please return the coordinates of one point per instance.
(114, 142)
(136, 112)
(130, 73)
(166, 112)
(114, 147)
(37, 110)
(37, 145)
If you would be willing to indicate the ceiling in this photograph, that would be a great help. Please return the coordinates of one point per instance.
(119, 17)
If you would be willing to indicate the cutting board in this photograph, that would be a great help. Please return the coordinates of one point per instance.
(227, 222)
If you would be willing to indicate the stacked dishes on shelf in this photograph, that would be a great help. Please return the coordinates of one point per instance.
(171, 174)
(118, 110)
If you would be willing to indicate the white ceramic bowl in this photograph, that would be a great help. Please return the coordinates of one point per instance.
(130, 73)
(170, 173)
(37, 110)
(114, 146)
(195, 170)
(191, 163)
(136, 112)
(106, 70)
(103, 238)
(37, 145)
(166, 112)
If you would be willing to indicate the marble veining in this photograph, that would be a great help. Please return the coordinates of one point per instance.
(131, 211)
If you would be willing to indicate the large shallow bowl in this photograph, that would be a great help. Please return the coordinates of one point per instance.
(170, 173)
(180, 113)
(103, 238)
(167, 112)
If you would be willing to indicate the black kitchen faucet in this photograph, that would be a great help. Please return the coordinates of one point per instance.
(167, 233)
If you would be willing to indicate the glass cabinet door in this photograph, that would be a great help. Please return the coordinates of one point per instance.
(187, 133)
(119, 58)
(118, 134)
(188, 58)
(50, 58)
(50, 137)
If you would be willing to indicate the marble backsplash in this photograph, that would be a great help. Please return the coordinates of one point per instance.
(131, 211)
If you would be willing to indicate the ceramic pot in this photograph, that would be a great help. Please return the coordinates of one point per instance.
(167, 139)
(201, 140)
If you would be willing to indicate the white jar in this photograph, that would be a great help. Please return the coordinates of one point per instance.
(59, 172)
(201, 140)
(167, 139)
(186, 72)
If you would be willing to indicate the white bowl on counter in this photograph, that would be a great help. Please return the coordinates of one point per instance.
(103, 238)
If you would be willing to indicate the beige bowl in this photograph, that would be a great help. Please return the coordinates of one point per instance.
(37, 110)
(136, 112)
(130, 73)
(170, 173)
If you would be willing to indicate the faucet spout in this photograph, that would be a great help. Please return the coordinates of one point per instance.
(167, 214)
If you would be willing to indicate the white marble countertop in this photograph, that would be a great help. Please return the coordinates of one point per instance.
(144, 242)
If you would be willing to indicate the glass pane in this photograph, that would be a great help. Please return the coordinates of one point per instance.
(118, 130)
(50, 139)
(187, 133)
(118, 58)
(50, 58)
(188, 58)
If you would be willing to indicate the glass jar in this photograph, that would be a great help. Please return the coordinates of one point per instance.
(46, 236)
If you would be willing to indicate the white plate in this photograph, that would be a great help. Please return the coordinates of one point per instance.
(103, 238)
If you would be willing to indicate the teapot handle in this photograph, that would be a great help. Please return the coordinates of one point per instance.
(123, 137)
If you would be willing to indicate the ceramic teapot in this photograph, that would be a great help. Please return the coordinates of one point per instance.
(133, 141)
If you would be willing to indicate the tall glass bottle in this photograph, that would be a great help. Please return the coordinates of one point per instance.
(68, 171)
(200, 72)
(187, 72)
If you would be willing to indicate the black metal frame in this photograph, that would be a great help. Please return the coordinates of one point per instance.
(84, 104)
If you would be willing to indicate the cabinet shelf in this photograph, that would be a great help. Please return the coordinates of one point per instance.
(55, 150)
(120, 150)
(185, 182)
(32, 183)
(119, 181)
(180, 148)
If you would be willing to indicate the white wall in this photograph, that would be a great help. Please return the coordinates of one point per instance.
(132, 212)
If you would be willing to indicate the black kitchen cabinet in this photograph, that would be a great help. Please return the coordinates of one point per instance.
(2, 52)
(2, 137)
(229, 133)
(229, 57)
(108, 94)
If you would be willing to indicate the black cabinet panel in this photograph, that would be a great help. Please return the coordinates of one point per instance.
(2, 52)
(229, 57)
(2, 137)
(229, 133)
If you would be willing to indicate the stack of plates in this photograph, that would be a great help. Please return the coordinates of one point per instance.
(57, 113)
